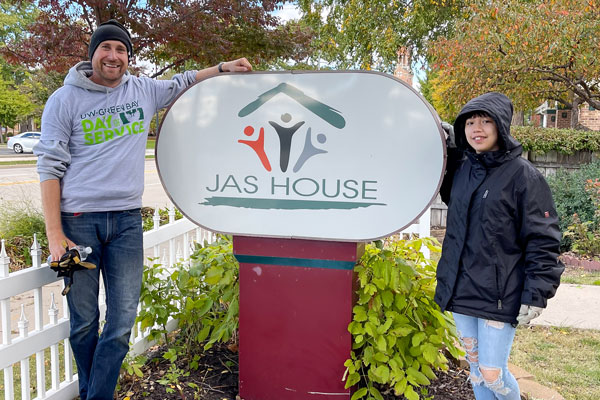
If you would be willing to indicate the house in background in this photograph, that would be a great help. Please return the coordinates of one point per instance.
(550, 115)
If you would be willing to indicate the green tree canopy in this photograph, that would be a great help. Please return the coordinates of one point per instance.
(531, 50)
(13, 105)
(367, 34)
(14, 18)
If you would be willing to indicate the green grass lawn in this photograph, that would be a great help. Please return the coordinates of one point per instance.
(565, 359)
(20, 162)
(579, 276)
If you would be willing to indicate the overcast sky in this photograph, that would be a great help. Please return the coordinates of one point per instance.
(289, 11)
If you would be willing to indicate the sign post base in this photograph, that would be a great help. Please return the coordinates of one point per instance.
(296, 299)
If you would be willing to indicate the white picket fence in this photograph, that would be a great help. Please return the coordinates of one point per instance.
(169, 243)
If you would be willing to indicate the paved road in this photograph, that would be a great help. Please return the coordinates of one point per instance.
(21, 183)
(4, 152)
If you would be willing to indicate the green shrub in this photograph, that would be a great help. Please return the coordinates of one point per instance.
(570, 196)
(148, 217)
(202, 296)
(567, 141)
(19, 221)
(158, 299)
(585, 235)
(212, 313)
(399, 333)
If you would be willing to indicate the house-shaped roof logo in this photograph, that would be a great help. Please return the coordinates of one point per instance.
(286, 131)
(325, 112)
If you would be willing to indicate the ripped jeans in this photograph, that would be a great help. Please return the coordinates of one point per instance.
(488, 345)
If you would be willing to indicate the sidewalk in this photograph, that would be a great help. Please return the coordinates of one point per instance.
(574, 306)
(20, 157)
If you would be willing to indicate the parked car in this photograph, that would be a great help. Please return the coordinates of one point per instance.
(23, 142)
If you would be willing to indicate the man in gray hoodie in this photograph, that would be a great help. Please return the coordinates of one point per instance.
(91, 166)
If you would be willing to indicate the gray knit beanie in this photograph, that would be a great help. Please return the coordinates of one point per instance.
(110, 30)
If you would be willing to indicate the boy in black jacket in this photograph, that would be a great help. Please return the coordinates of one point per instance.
(499, 261)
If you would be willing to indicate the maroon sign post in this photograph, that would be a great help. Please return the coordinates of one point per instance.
(296, 299)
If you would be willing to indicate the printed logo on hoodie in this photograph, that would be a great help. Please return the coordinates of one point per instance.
(105, 124)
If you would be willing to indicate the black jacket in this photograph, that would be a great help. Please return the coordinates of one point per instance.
(502, 237)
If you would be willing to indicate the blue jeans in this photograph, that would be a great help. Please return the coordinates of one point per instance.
(488, 345)
(116, 240)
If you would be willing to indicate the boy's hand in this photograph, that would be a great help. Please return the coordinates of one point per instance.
(527, 313)
(449, 129)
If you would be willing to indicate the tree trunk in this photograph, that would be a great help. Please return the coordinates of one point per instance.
(518, 118)
(1, 135)
(27, 125)
(575, 112)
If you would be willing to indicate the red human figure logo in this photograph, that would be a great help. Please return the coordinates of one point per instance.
(257, 145)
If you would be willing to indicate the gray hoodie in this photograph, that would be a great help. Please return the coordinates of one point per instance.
(94, 138)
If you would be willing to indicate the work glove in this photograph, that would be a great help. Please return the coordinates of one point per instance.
(68, 264)
(449, 129)
(527, 313)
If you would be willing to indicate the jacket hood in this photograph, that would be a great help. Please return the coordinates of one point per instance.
(500, 108)
(79, 76)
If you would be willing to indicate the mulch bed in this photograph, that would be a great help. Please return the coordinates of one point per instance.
(217, 379)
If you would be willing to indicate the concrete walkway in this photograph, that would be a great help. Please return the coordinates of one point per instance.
(574, 306)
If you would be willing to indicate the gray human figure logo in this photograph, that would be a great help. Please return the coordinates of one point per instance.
(309, 149)
(285, 139)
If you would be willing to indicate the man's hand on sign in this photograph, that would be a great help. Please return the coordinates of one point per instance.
(239, 65)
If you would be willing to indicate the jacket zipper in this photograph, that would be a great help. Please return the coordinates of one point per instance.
(499, 303)
(484, 196)
(498, 287)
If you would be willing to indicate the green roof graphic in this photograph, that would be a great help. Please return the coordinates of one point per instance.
(327, 113)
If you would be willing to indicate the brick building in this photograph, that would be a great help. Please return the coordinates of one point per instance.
(403, 69)
(589, 117)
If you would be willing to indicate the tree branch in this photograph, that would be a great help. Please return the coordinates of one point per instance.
(169, 66)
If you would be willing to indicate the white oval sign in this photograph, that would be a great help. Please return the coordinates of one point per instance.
(348, 155)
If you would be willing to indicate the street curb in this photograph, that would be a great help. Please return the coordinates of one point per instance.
(530, 389)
